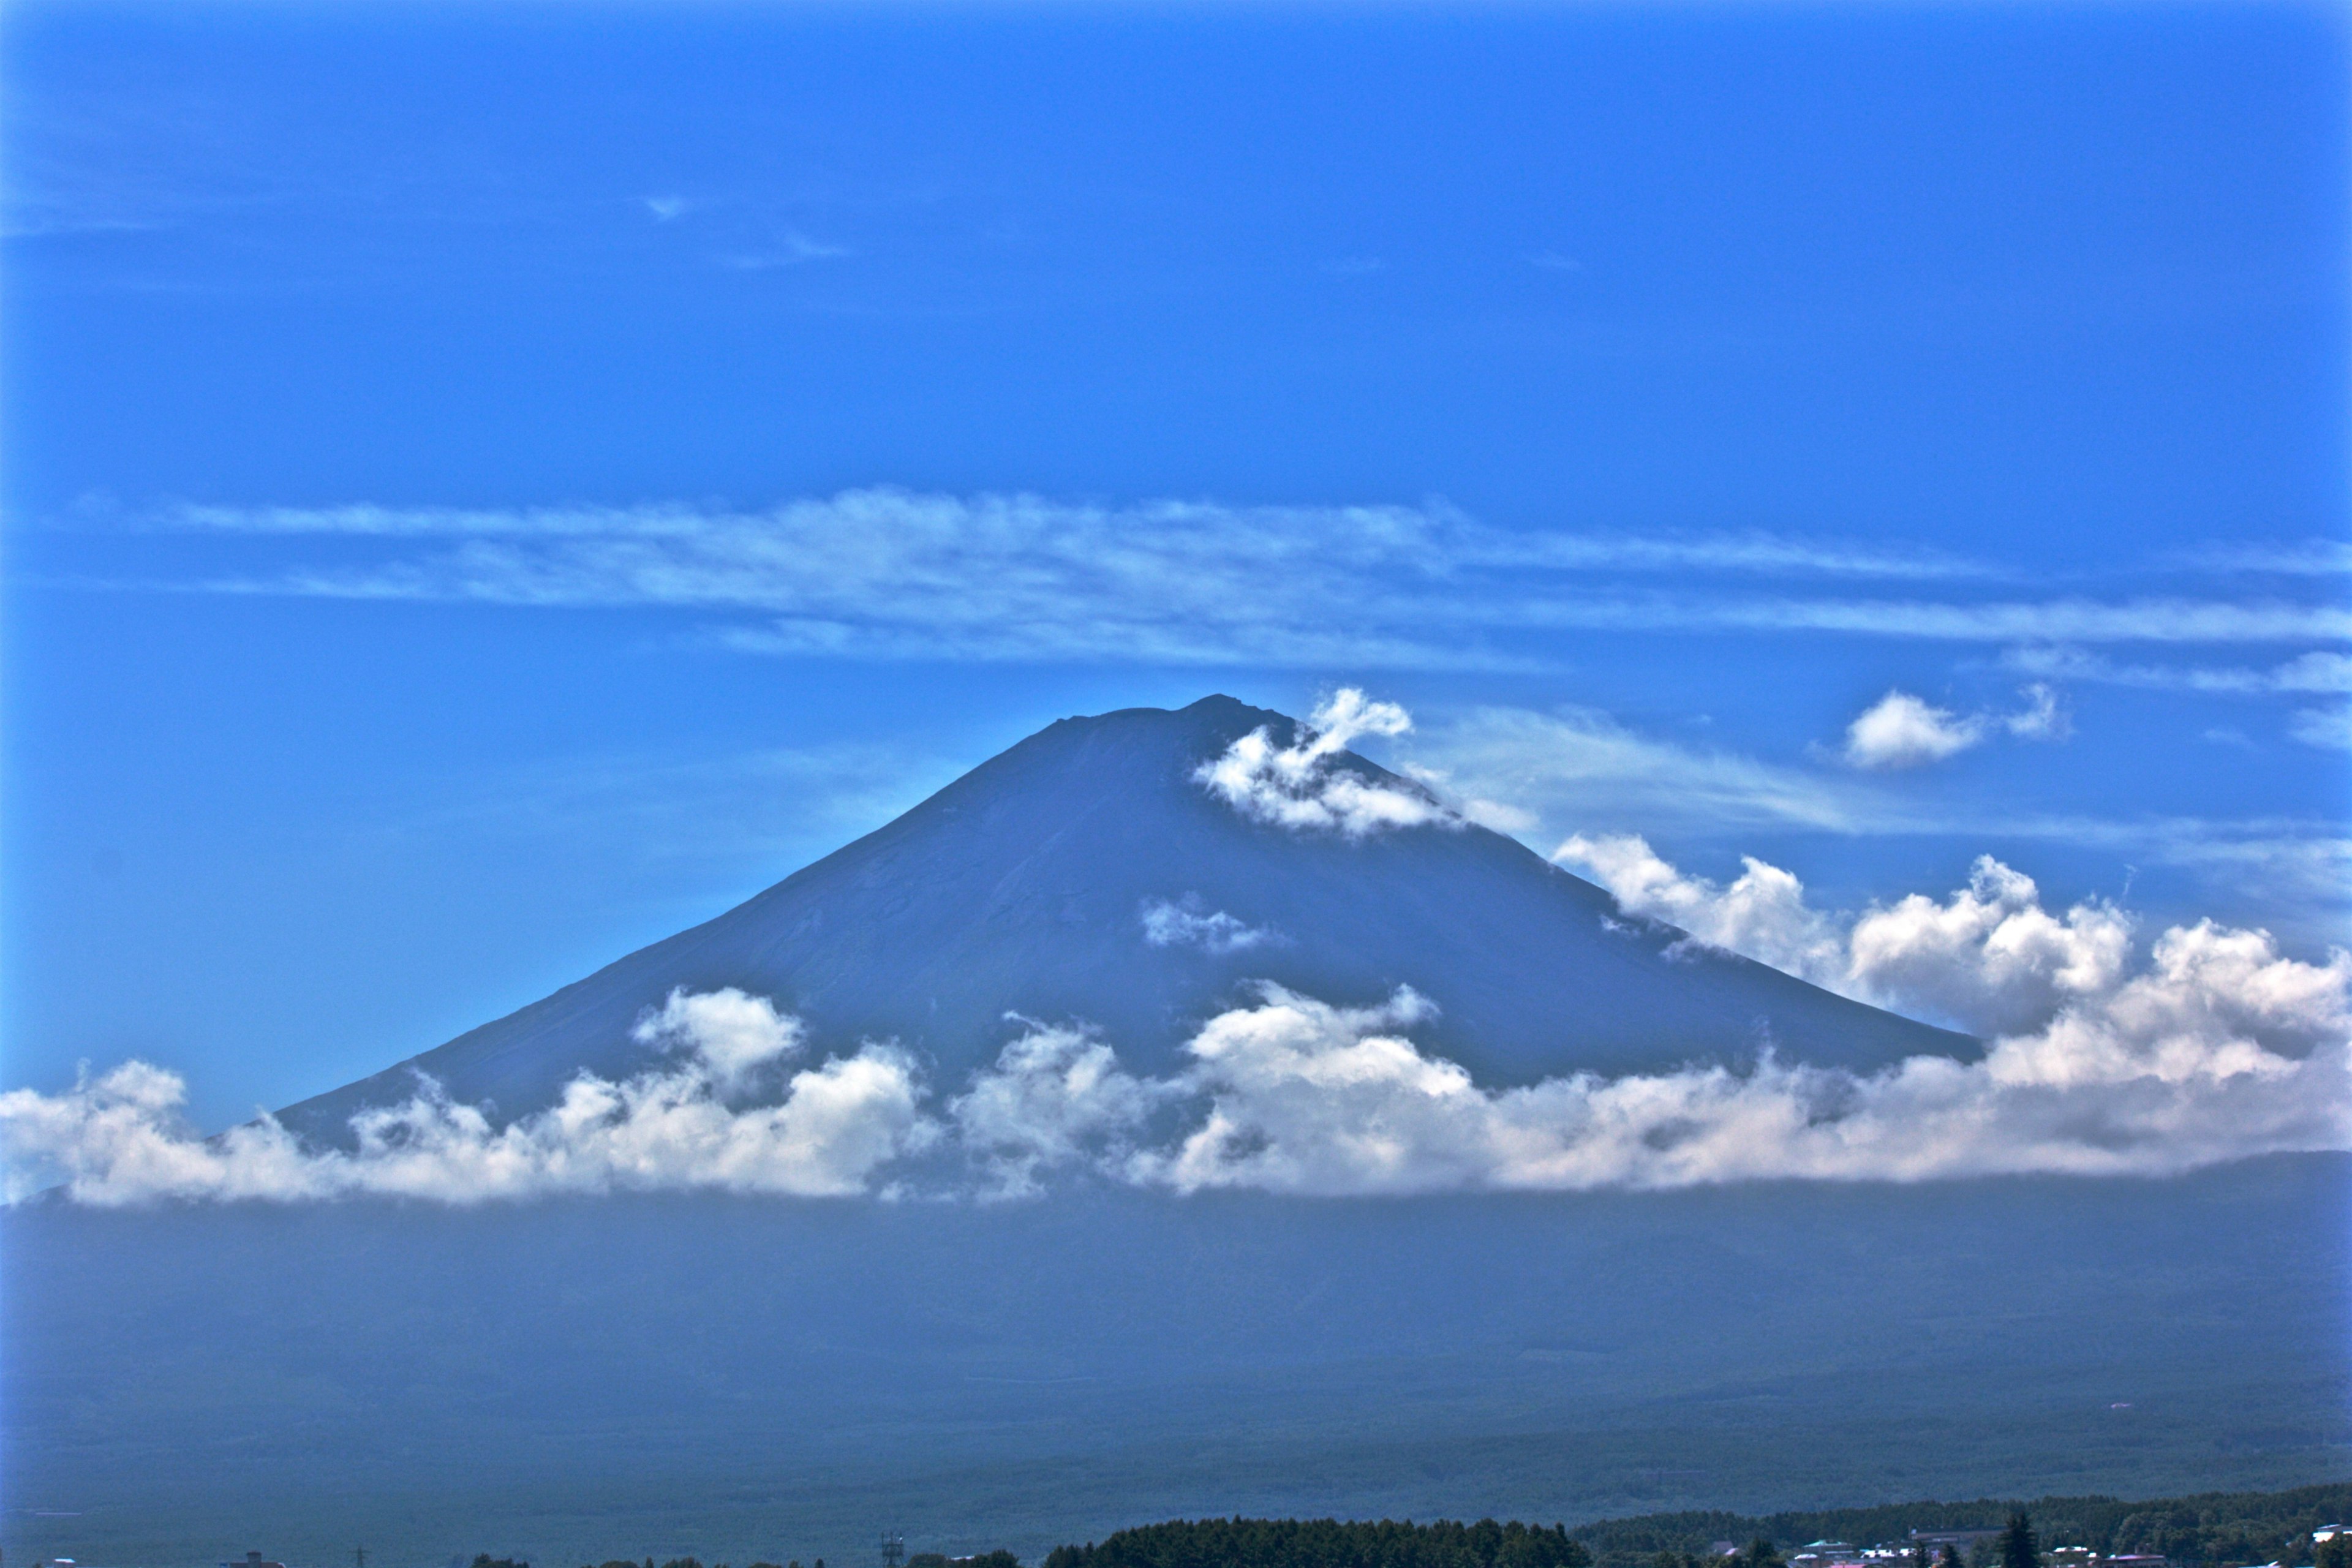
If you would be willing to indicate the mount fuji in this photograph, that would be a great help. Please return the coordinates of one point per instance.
(580, 1379)
(1037, 884)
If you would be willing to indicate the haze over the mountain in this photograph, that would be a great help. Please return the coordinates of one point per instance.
(1088, 875)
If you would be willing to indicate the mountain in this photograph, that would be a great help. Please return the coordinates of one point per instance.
(744, 1380)
(1022, 887)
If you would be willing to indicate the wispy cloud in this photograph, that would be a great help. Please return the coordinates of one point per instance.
(2310, 673)
(1582, 765)
(2303, 558)
(789, 249)
(1182, 923)
(884, 573)
(2327, 727)
(2151, 620)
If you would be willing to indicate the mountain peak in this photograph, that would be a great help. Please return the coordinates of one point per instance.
(1087, 875)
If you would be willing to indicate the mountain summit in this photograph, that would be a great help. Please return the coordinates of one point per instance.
(1089, 874)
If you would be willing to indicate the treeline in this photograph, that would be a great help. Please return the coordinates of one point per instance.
(2211, 1527)
(1327, 1543)
(2219, 1528)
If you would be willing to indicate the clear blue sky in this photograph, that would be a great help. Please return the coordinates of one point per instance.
(426, 429)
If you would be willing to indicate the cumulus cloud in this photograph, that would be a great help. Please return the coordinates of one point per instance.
(2173, 1073)
(2213, 1046)
(1762, 914)
(1301, 785)
(1987, 958)
(733, 1034)
(1183, 924)
(1056, 1098)
(1900, 731)
(120, 1138)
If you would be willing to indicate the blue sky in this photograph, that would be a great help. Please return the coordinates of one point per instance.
(488, 486)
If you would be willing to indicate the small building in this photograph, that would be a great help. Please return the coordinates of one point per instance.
(1826, 1554)
(1960, 1541)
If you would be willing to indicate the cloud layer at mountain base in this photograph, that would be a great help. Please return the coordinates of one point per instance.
(2214, 1046)
(117, 1139)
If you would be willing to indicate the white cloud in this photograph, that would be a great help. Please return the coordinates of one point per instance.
(118, 1139)
(1763, 914)
(734, 1034)
(1900, 731)
(1581, 772)
(888, 573)
(2043, 718)
(1577, 764)
(2170, 1075)
(2152, 620)
(2314, 672)
(1301, 785)
(2307, 558)
(2220, 1048)
(789, 249)
(2309, 672)
(2329, 727)
(1181, 924)
(1987, 958)
(2216, 1047)
(1056, 1097)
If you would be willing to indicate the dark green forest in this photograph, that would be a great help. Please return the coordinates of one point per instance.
(2221, 1529)
(1328, 1543)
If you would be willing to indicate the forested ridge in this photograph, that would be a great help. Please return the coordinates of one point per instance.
(2217, 1527)
(2209, 1527)
(1327, 1543)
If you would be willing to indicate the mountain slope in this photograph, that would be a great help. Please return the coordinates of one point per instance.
(1022, 887)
